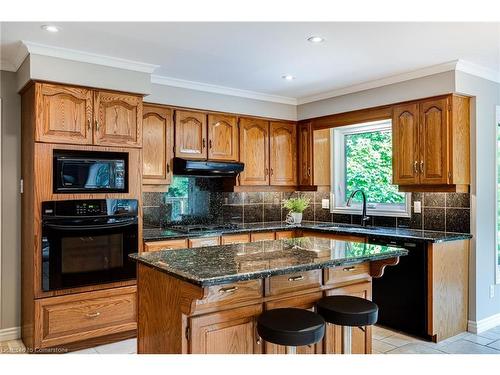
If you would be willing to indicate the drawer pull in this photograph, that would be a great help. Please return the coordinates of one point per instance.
(93, 315)
(231, 289)
(296, 278)
(349, 269)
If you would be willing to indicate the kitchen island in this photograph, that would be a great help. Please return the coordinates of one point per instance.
(206, 300)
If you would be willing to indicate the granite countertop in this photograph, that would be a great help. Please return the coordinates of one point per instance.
(205, 266)
(158, 234)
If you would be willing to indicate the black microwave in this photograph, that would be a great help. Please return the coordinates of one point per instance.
(90, 172)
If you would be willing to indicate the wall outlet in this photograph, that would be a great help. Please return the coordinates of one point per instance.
(417, 207)
(492, 291)
(325, 203)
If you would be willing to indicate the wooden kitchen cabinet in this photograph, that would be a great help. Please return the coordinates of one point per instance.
(283, 149)
(361, 336)
(181, 243)
(431, 141)
(226, 332)
(254, 151)
(64, 114)
(203, 241)
(118, 119)
(228, 239)
(157, 130)
(222, 137)
(191, 134)
(305, 154)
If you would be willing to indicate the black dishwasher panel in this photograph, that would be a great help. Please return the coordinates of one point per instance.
(401, 293)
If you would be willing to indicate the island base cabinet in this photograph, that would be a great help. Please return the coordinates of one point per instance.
(226, 332)
(361, 336)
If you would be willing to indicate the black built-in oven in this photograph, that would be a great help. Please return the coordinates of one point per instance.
(87, 242)
(90, 172)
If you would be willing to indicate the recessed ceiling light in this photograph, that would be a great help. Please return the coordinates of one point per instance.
(288, 77)
(51, 28)
(316, 39)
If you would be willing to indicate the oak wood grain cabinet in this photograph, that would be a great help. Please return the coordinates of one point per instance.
(283, 153)
(228, 239)
(157, 151)
(190, 134)
(83, 116)
(262, 236)
(254, 151)
(204, 241)
(222, 137)
(431, 141)
(305, 154)
(166, 245)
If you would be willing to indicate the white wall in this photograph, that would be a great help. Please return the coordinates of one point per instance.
(483, 145)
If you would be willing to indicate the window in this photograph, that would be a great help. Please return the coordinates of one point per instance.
(362, 159)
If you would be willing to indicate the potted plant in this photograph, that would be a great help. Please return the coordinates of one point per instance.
(295, 207)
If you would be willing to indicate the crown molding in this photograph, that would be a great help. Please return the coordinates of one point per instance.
(427, 71)
(206, 87)
(87, 57)
(15, 61)
(478, 70)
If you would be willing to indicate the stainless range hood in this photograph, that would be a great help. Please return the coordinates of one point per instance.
(203, 168)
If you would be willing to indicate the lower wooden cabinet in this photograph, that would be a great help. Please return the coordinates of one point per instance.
(361, 336)
(166, 245)
(226, 332)
(235, 238)
(262, 236)
(204, 241)
(82, 316)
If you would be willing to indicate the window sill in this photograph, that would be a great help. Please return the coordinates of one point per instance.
(357, 211)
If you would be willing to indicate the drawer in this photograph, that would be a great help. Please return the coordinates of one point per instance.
(343, 274)
(293, 282)
(235, 238)
(230, 294)
(204, 241)
(262, 236)
(82, 316)
(165, 245)
(335, 236)
(285, 234)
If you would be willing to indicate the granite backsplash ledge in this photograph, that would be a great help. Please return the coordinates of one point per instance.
(440, 211)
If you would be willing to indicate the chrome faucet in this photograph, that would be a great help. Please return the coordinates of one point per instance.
(364, 218)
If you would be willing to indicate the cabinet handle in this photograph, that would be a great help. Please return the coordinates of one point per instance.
(168, 167)
(309, 172)
(349, 269)
(258, 340)
(230, 289)
(266, 171)
(415, 166)
(97, 126)
(89, 124)
(272, 172)
(204, 143)
(421, 166)
(210, 143)
(93, 315)
(296, 278)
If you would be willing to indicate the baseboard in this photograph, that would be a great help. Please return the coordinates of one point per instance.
(483, 324)
(12, 333)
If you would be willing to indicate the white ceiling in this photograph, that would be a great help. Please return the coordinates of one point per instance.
(254, 56)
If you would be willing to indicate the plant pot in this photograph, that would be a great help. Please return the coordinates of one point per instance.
(296, 217)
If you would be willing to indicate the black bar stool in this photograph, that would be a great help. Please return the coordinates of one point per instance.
(290, 327)
(348, 312)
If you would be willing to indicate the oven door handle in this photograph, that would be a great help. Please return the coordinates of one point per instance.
(85, 227)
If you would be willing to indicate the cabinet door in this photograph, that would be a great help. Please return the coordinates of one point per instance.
(306, 302)
(118, 119)
(361, 336)
(434, 131)
(405, 145)
(222, 137)
(254, 151)
(157, 139)
(226, 332)
(64, 114)
(321, 161)
(283, 153)
(190, 135)
(305, 154)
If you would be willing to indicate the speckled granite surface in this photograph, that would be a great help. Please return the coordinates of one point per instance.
(386, 233)
(215, 265)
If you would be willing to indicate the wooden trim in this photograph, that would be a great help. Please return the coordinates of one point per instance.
(434, 188)
(352, 117)
(264, 188)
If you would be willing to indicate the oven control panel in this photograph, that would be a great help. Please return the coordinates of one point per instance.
(91, 207)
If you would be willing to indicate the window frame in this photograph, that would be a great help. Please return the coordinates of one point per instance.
(497, 197)
(338, 198)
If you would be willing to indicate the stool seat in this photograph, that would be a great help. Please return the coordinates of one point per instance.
(290, 327)
(348, 311)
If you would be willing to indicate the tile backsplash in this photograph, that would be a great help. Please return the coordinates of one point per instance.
(440, 211)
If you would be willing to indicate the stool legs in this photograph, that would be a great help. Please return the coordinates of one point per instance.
(291, 350)
(346, 340)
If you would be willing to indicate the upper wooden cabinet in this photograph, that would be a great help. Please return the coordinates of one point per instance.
(157, 134)
(222, 137)
(64, 114)
(305, 157)
(190, 134)
(118, 119)
(75, 115)
(254, 151)
(283, 149)
(431, 140)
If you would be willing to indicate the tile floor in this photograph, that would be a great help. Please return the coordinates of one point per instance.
(384, 342)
